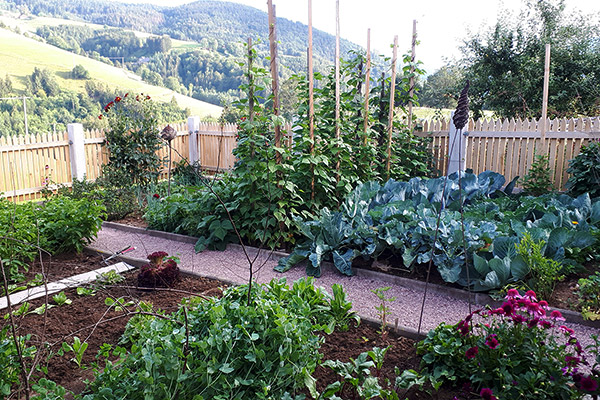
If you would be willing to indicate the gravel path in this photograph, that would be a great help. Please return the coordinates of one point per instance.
(231, 265)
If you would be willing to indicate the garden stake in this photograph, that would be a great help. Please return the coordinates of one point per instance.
(14, 332)
(461, 116)
(168, 134)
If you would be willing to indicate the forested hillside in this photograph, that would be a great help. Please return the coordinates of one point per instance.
(207, 69)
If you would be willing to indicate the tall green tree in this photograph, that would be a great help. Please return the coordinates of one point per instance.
(505, 64)
(440, 89)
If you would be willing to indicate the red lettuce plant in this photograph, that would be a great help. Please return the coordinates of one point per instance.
(162, 271)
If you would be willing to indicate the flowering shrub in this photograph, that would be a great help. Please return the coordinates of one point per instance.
(519, 350)
(132, 140)
(159, 272)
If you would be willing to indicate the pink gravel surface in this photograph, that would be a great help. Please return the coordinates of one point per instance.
(232, 265)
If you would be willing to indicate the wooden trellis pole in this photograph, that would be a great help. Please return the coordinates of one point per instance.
(311, 101)
(337, 77)
(542, 150)
(274, 74)
(250, 82)
(367, 83)
(411, 90)
(391, 115)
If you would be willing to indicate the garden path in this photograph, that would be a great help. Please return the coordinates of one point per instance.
(231, 266)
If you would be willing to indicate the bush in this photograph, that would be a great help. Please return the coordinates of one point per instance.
(513, 352)
(69, 224)
(545, 272)
(589, 296)
(585, 171)
(132, 141)
(79, 72)
(18, 234)
(222, 348)
(538, 180)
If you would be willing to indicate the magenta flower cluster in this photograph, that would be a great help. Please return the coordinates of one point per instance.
(523, 312)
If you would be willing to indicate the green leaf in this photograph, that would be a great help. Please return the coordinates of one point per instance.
(226, 368)
(343, 262)
(505, 246)
(481, 264)
(519, 268)
(502, 269)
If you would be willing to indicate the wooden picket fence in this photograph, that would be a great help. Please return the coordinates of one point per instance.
(29, 163)
(509, 146)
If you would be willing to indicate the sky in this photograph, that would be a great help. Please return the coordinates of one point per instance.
(441, 24)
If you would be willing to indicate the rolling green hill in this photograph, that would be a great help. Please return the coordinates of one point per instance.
(19, 56)
(202, 42)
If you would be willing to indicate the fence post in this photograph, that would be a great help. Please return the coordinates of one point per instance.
(77, 151)
(457, 148)
(193, 128)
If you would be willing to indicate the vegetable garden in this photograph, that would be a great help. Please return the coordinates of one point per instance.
(349, 199)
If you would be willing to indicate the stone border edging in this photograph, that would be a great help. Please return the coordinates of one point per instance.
(459, 294)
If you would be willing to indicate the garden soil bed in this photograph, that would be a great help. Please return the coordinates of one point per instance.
(87, 318)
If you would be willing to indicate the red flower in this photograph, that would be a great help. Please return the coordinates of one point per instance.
(463, 327)
(147, 97)
(508, 308)
(588, 384)
(492, 342)
(472, 352)
(546, 324)
(156, 196)
(100, 116)
(487, 394)
(117, 99)
(108, 106)
(126, 94)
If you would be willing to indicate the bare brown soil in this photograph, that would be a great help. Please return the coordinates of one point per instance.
(88, 318)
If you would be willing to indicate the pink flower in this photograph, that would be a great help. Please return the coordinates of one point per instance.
(513, 294)
(487, 394)
(556, 315)
(546, 324)
(568, 331)
(543, 304)
(492, 342)
(472, 352)
(518, 319)
(531, 295)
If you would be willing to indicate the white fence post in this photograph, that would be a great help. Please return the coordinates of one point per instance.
(193, 127)
(77, 151)
(457, 148)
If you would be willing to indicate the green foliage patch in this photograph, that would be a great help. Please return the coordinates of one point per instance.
(222, 348)
(400, 219)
